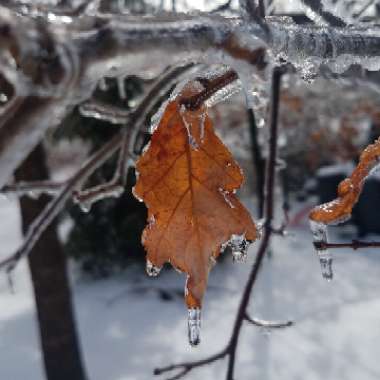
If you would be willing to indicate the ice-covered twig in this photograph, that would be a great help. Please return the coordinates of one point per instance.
(115, 187)
(253, 9)
(211, 86)
(354, 244)
(268, 324)
(136, 123)
(364, 8)
(32, 189)
(223, 7)
(314, 8)
(230, 350)
(103, 111)
(55, 206)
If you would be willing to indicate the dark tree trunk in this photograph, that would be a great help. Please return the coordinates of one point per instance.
(47, 264)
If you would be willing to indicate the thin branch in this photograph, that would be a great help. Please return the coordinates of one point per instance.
(103, 111)
(364, 8)
(262, 8)
(316, 6)
(54, 207)
(33, 188)
(211, 86)
(137, 120)
(268, 324)
(188, 366)
(355, 244)
(269, 214)
(221, 8)
(115, 187)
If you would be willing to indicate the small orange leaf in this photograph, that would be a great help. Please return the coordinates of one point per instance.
(349, 189)
(187, 178)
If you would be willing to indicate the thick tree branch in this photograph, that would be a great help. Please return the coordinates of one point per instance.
(83, 51)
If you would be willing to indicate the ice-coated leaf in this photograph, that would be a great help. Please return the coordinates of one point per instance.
(187, 179)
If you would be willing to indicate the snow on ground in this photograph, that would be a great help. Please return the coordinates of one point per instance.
(126, 329)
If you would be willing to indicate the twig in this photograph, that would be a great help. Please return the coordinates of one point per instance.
(54, 207)
(364, 8)
(355, 244)
(261, 8)
(188, 366)
(115, 187)
(33, 188)
(211, 86)
(102, 111)
(221, 8)
(136, 121)
(269, 214)
(316, 7)
(268, 324)
(230, 349)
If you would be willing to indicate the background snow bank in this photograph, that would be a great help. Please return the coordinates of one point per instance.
(127, 329)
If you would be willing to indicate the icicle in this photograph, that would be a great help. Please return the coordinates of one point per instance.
(85, 206)
(224, 94)
(103, 84)
(319, 231)
(33, 194)
(194, 326)
(151, 269)
(3, 98)
(260, 224)
(325, 259)
(121, 87)
(239, 246)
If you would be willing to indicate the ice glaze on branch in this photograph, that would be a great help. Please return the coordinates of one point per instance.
(120, 140)
(58, 62)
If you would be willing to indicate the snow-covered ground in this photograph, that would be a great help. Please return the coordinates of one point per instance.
(126, 329)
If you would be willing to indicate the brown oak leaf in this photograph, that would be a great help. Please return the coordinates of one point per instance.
(187, 179)
(349, 189)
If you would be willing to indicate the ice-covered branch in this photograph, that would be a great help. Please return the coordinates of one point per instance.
(106, 112)
(115, 187)
(314, 8)
(32, 189)
(54, 63)
(126, 140)
(268, 324)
